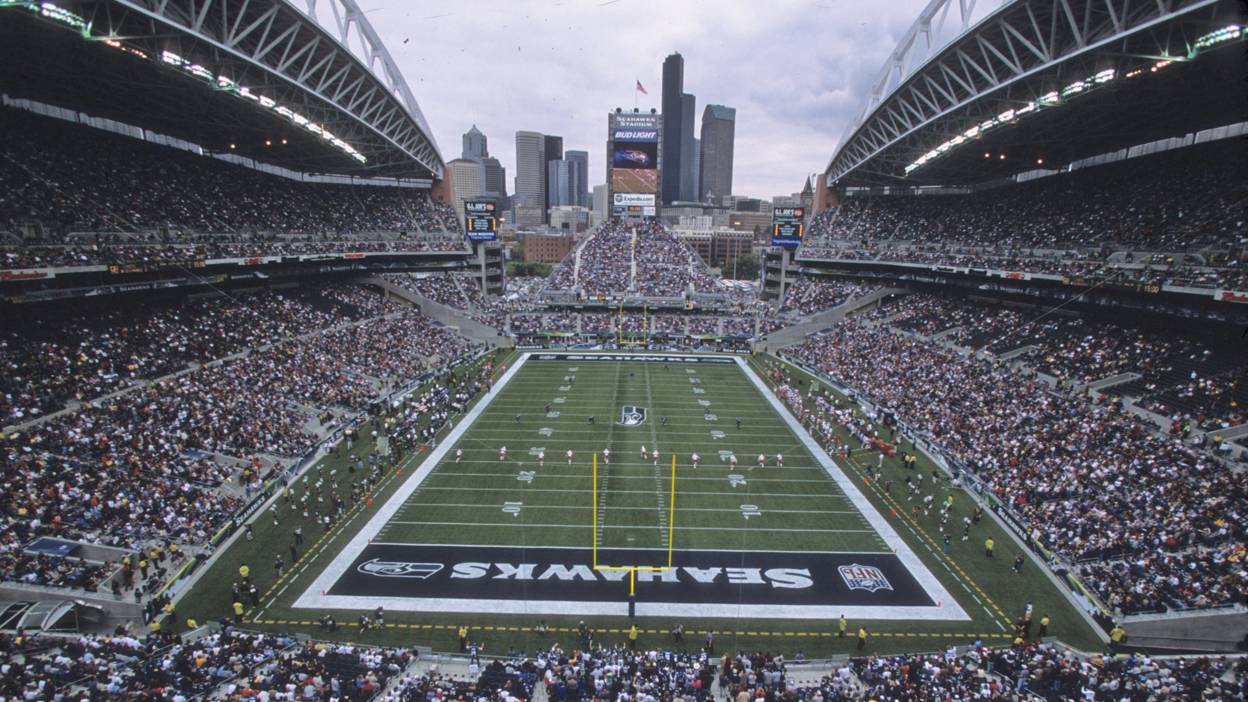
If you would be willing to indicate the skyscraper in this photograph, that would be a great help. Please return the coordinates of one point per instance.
(530, 174)
(465, 181)
(554, 152)
(495, 177)
(718, 130)
(673, 89)
(578, 176)
(697, 171)
(558, 183)
(475, 144)
(688, 115)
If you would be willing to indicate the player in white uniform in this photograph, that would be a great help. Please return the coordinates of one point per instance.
(696, 458)
(779, 460)
(643, 452)
(655, 455)
(502, 453)
(762, 460)
(732, 460)
(569, 456)
(541, 458)
(606, 456)
(459, 455)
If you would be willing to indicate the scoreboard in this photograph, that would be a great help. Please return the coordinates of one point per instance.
(787, 226)
(480, 220)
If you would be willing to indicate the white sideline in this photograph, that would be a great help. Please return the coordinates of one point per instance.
(947, 604)
(362, 538)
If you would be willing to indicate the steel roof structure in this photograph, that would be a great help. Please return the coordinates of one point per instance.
(238, 75)
(1045, 81)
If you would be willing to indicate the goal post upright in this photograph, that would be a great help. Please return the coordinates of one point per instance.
(594, 519)
(671, 513)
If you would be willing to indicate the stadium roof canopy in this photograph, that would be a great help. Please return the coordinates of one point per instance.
(303, 85)
(973, 94)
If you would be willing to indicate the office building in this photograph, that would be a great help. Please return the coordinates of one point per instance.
(688, 115)
(558, 183)
(718, 132)
(466, 183)
(673, 91)
(530, 181)
(494, 177)
(578, 176)
(548, 248)
(553, 150)
(569, 218)
(698, 195)
(475, 145)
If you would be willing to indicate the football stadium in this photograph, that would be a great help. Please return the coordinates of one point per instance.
(297, 405)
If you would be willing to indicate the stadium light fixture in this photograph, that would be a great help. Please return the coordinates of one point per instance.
(1054, 98)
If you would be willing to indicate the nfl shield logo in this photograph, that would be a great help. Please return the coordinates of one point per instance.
(861, 577)
(631, 415)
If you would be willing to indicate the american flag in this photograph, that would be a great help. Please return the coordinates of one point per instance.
(641, 88)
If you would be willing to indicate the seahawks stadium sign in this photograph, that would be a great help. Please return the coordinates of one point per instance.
(793, 584)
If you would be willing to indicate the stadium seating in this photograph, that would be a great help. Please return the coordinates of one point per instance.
(807, 295)
(647, 260)
(138, 466)
(1090, 482)
(102, 198)
(1159, 211)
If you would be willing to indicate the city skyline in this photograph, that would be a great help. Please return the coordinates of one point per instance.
(559, 69)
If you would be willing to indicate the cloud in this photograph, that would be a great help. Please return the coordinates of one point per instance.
(796, 72)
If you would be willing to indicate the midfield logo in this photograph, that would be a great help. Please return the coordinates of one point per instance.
(632, 415)
(399, 569)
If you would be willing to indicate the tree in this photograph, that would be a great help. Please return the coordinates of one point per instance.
(742, 268)
(527, 269)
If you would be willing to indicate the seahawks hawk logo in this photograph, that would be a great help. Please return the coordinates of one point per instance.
(398, 569)
(631, 415)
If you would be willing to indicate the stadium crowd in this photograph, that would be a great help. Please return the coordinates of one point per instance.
(140, 466)
(1089, 482)
(1173, 218)
(86, 353)
(807, 295)
(1192, 378)
(174, 205)
(644, 259)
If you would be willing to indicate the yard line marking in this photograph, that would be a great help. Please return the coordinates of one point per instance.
(718, 479)
(622, 508)
(631, 548)
(835, 496)
(514, 524)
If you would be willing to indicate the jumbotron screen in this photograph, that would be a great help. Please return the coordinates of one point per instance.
(480, 220)
(787, 226)
(635, 161)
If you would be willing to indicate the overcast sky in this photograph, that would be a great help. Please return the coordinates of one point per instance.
(796, 71)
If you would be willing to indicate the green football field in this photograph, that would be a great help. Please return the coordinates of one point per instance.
(486, 520)
(481, 499)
